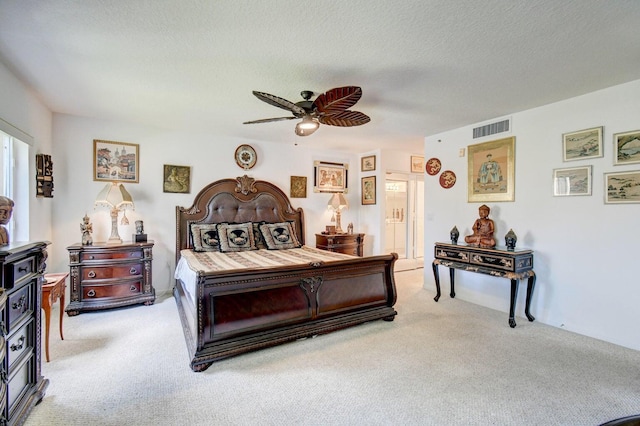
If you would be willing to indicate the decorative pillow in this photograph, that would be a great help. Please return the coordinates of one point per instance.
(205, 237)
(257, 236)
(279, 236)
(236, 237)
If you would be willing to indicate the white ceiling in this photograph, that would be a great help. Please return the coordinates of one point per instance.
(425, 66)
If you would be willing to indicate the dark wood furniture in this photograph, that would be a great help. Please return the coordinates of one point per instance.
(22, 264)
(514, 265)
(107, 276)
(244, 310)
(53, 288)
(341, 243)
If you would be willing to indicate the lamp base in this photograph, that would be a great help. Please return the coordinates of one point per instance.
(139, 238)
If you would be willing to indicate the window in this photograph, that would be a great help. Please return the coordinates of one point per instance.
(14, 179)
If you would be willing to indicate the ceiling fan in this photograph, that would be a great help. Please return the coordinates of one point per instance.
(329, 108)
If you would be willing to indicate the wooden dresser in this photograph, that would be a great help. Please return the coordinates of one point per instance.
(110, 275)
(23, 386)
(341, 243)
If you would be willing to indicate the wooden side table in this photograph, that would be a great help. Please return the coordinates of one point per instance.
(341, 243)
(53, 289)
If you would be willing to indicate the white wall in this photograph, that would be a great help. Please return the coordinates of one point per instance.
(23, 110)
(585, 251)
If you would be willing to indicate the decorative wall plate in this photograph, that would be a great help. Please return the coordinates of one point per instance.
(447, 179)
(246, 156)
(433, 166)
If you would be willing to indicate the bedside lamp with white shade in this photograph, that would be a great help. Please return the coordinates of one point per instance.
(115, 197)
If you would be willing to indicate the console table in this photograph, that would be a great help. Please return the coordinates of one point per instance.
(512, 264)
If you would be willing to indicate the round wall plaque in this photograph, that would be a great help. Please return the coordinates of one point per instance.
(447, 179)
(246, 156)
(433, 166)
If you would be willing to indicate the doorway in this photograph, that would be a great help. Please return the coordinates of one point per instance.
(404, 219)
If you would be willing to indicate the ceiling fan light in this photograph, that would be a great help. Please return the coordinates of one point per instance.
(307, 126)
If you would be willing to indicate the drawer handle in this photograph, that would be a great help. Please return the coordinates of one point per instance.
(133, 271)
(3, 329)
(3, 376)
(23, 269)
(133, 288)
(91, 257)
(20, 303)
(91, 274)
(91, 293)
(19, 345)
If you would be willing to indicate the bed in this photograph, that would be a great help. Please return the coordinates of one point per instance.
(243, 300)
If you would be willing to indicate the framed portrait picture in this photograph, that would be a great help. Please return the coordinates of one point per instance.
(298, 187)
(626, 147)
(368, 163)
(491, 171)
(572, 181)
(176, 179)
(368, 190)
(330, 177)
(417, 163)
(622, 188)
(582, 144)
(115, 161)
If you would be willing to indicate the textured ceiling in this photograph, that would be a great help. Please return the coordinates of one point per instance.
(424, 66)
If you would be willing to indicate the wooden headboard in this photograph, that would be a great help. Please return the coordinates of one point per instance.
(239, 200)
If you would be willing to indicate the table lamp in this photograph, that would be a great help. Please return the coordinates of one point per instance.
(337, 203)
(116, 198)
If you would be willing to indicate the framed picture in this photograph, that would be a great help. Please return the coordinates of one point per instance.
(115, 161)
(572, 181)
(368, 190)
(491, 171)
(176, 179)
(626, 147)
(417, 164)
(330, 177)
(582, 144)
(298, 188)
(622, 188)
(368, 164)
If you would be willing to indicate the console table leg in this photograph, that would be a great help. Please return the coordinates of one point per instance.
(452, 275)
(531, 283)
(514, 297)
(437, 278)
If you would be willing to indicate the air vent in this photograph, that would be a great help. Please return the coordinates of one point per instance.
(492, 128)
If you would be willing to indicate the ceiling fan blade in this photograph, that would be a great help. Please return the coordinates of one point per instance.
(345, 119)
(267, 120)
(338, 99)
(280, 103)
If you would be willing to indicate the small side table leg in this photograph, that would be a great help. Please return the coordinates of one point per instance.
(514, 297)
(452, 278)
(531, 283)
(436, 275)
(63, 290)
(46, 307)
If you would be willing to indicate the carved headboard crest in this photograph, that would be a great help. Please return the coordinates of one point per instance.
(245, 185)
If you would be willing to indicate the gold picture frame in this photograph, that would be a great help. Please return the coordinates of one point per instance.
(176, 179)
(298, 187)
(368, 190)
(116, 161)
(368, 163)
(417, 164)
(491, 171)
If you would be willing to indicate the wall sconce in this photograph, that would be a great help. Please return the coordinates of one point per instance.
(115, 197)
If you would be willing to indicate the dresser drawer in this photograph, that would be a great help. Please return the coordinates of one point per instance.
(19, 343)
(19, 383)
(493, 261)
(20, 305)
(130, 288)
(20, 269)
(115, 271)
(106, 255)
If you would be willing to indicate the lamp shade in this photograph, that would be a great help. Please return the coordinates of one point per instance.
(114, 196)
(338, 202)
(307, 126)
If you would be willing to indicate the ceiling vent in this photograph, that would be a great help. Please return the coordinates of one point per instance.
(492, 128)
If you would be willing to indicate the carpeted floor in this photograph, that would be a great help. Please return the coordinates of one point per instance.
(445, 363)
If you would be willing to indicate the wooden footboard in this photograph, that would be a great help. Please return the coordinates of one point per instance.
(241, 312)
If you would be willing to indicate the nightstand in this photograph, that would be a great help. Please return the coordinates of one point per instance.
(341, 243)
(107, 276)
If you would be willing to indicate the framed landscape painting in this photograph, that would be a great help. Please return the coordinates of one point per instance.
(491, 171)
(626, 147)
(622, 188)
(582, 144)
(572, 181)
(115, 161)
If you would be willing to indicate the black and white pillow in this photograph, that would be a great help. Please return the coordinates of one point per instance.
(205, 237)
(236, 237)
(281, 235)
